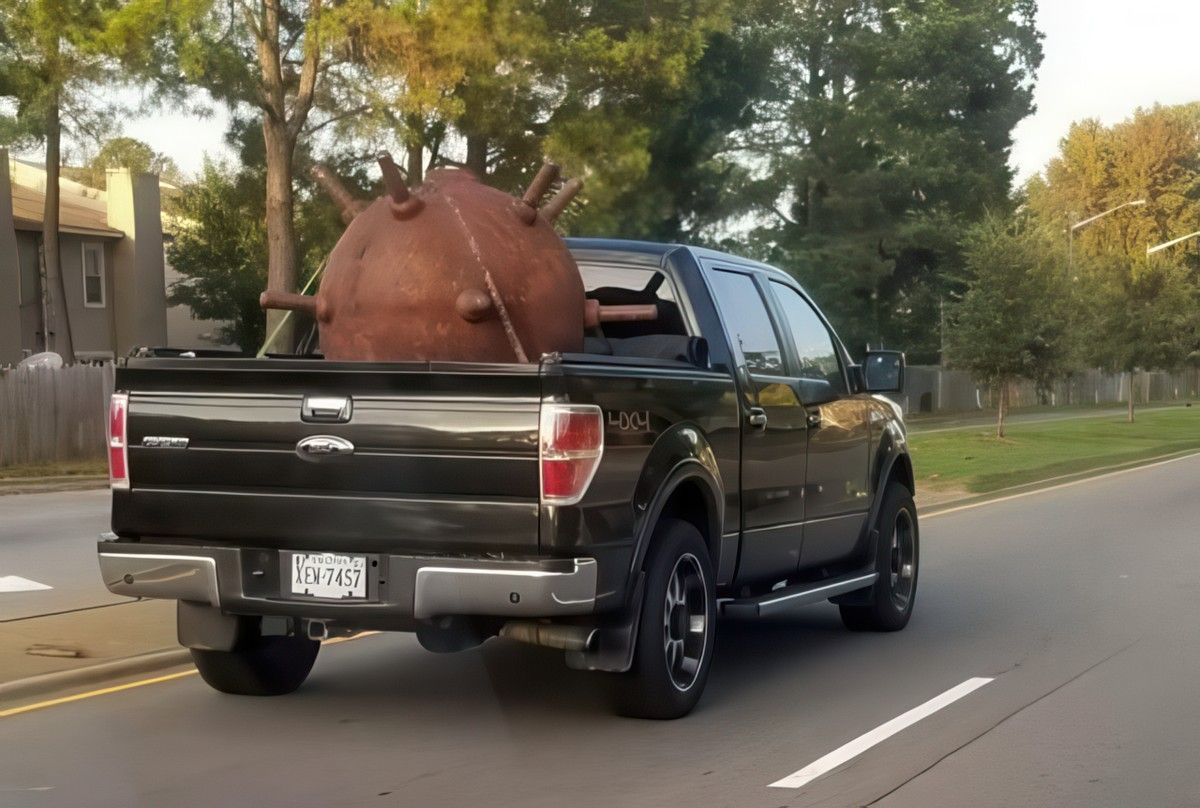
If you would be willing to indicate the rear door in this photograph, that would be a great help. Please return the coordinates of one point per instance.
(837, 489)
(332, 456)
(773, 430)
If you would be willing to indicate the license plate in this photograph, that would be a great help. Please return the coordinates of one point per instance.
(329, 575)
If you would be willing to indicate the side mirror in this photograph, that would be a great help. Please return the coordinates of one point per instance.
(883, 372)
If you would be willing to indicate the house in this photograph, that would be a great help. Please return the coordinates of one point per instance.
(114, 271)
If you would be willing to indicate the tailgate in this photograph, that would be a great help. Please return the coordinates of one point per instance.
(426, 455)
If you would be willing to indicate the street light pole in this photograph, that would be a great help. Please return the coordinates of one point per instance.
(1157, 247)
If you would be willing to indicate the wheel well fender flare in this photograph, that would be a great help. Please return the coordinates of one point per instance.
(892, 463)
(681, 462)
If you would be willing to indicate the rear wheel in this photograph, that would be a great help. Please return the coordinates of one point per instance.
(263, 666)
(677, 628)
(897, 560)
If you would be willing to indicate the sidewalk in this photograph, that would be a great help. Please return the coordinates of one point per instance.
(52, 653)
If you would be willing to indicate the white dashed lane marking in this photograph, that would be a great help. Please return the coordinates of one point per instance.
(878, 735)
(15, 583)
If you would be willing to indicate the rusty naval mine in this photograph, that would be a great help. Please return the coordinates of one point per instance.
(452, 270)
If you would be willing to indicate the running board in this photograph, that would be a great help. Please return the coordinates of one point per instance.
(781, 600)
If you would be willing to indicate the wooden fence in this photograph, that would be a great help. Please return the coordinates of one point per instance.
(50, 415)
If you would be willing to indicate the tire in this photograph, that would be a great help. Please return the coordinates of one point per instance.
(266, 666)
(897, 562)
(677, 628)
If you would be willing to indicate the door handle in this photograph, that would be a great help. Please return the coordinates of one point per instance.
(757, 417)
(814, 419)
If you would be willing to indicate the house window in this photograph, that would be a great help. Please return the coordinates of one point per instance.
(93, 276)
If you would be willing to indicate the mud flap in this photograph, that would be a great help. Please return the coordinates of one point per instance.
(612, 650)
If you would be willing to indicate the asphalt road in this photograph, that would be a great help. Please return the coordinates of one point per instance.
(50, 540)
(1082, 604)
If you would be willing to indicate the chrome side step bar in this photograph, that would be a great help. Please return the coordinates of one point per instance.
(789, 597)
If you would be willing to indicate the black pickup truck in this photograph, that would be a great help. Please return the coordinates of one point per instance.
(727, 458)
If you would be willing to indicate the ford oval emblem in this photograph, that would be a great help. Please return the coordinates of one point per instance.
(319, 447)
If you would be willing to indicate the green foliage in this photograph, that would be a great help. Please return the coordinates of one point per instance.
(1009, 324)
(886, 131)
(1135, 311)
(220, 249)
(514, 80)
(124, 152)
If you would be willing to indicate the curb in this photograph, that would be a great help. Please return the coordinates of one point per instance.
(44, 485)
(101, 672)
(1010, 492)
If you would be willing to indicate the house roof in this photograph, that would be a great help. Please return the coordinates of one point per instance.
(74, 217)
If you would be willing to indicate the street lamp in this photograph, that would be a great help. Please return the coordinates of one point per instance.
(1076, 225)
(1152, 250)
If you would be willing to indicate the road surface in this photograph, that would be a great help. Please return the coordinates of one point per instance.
(48, 553)
(1080, 604)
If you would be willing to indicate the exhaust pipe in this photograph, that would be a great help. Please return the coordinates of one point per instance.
(548, 635)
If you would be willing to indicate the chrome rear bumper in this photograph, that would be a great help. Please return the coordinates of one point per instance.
(177, 577)
(246, 581)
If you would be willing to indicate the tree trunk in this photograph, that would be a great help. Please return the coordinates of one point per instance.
(1002, 408)
(477, 148)
(281, 229)
(1130, 375)
(416, 166)
(63, 343)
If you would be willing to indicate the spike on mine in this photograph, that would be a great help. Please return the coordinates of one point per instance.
(403, 204)
(537, 189)
(349, 206)
(465, 281)
(558, 204)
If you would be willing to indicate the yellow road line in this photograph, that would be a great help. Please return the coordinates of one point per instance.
(93, 693)
(104, 691)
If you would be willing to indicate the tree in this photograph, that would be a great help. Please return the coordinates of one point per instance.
(495, 85)
(220, 249)
(1142, 315)
(220, 239)
(277, 56)
(58, 58)
(125, 152)
(1138, 312)
(1009, 324)
(885, 134)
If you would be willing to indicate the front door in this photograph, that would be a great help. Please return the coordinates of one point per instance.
(773, 431)
(837, 487)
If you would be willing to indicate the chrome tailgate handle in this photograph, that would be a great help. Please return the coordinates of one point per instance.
(326, 409)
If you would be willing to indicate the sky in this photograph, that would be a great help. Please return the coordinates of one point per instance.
(1103, 59)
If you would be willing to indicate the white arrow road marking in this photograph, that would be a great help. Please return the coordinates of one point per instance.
(878, 735)
(15, 583)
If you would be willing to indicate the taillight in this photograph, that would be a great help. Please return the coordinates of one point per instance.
(571, 444)
(118, 451)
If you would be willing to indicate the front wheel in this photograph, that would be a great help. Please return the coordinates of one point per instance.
(897, 559)
(263, 666)
(677, 629)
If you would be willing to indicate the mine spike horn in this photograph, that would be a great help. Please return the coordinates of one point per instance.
(341, 197)
(532, 197)
(403, 203)
(558, 204)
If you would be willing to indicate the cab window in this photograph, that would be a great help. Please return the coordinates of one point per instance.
(747, 321)
(815, 350)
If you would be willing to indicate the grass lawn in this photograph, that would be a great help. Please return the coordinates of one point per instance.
(70, 468)
(975, 460)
